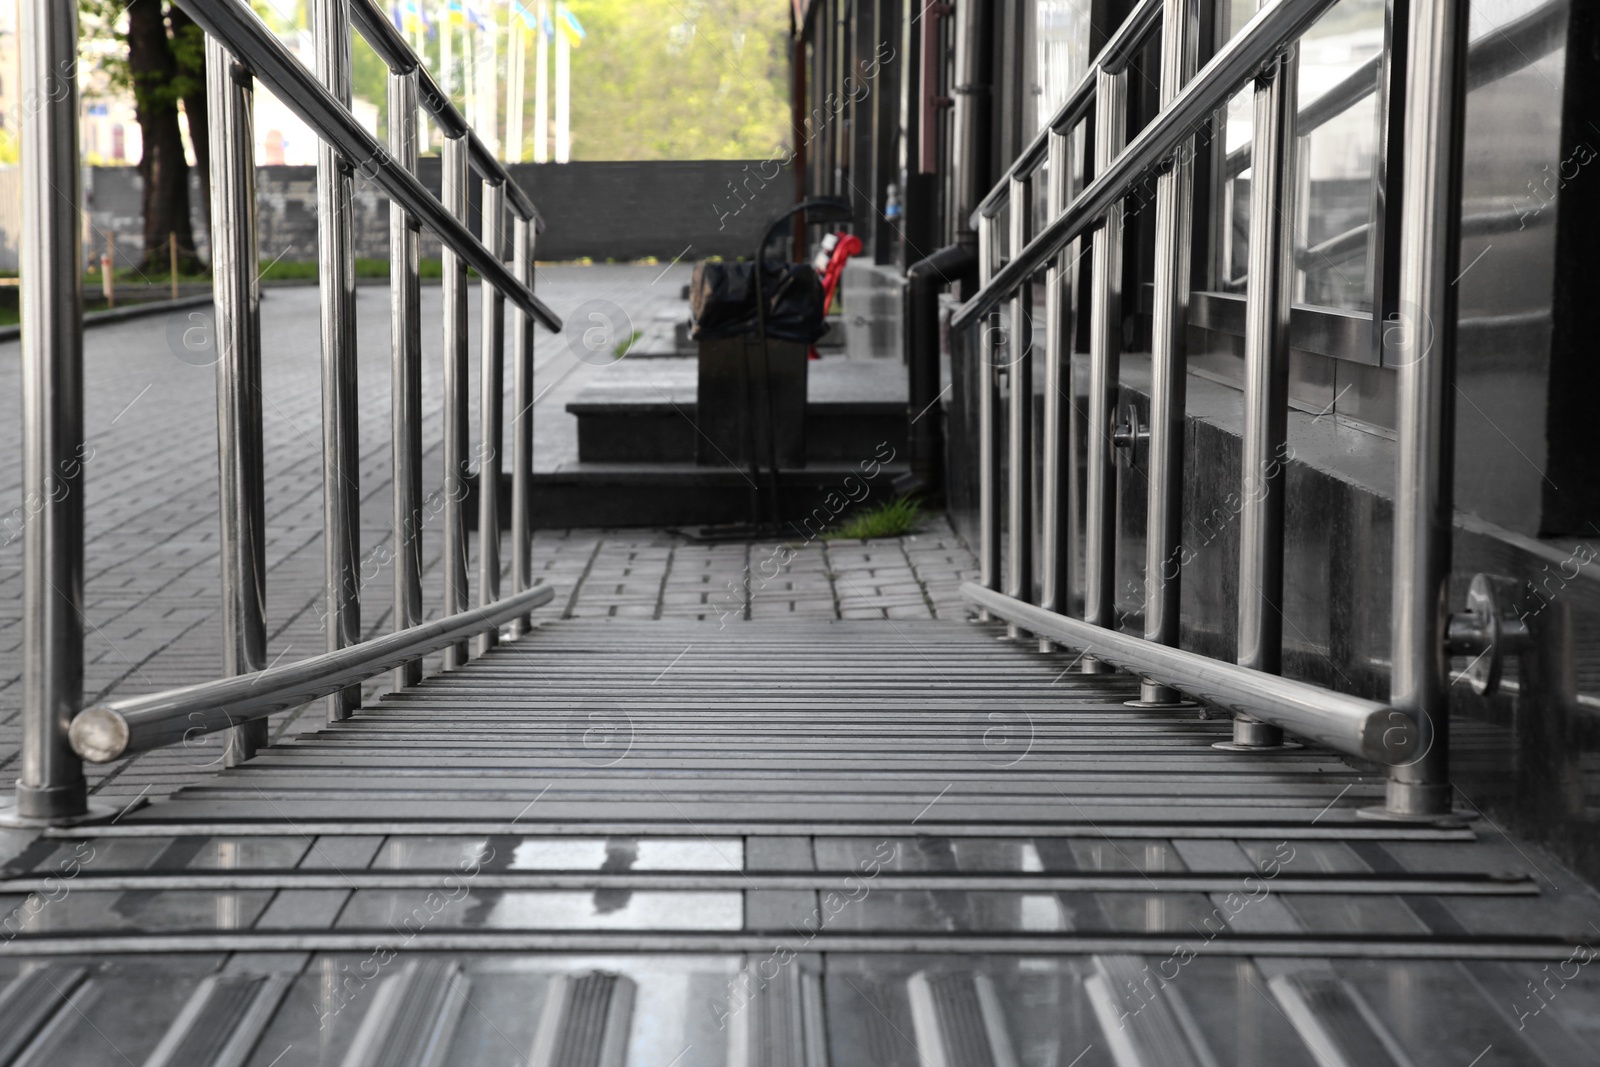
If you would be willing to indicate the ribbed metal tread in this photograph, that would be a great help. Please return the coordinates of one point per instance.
(787, 846)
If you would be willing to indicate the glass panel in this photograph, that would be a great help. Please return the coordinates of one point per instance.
(1335, 194)
(1231, 17)
(1063, 52)
(1232, 230)
(1333, 239)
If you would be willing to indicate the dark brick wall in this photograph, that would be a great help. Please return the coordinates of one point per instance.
(630, 210)
(602, 211)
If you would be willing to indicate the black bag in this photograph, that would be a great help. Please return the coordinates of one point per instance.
(722, 298)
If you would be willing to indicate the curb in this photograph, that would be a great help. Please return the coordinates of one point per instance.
(132, 311)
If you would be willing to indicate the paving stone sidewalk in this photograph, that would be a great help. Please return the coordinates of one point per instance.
(151, 575)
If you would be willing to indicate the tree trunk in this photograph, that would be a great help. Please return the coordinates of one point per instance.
(163, 167)
(189, 46)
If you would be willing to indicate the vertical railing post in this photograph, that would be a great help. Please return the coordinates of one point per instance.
(988, 424)
(336, 278)
(524, 232)
(1268, 298)
(1055, 559)
(241, 464)
(1105, 352)
(1019, 423)
(405, 350)
(491, 398)
(1168, 357)
(1423, 355)
(51, 786)
(1077, 149)
(453, 190)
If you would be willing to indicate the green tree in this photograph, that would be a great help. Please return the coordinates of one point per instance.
(677, 79)
(161, 60)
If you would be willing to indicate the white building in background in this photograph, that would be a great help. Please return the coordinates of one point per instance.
(281, 138)
(110, 133)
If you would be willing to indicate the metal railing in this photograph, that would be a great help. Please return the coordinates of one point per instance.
(1409, 733)
(240, 50)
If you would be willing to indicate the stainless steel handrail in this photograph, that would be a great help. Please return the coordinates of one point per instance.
(1112, 58)
(1237, 61)
(1424, 360)
(1353, 725)
(240, 49)
(1263, 443)
(51, 784)
(1169, 354)
(1410, 734)
(1513, 47)
(1507, 49)
(119, 728)
(254, 45)
(241, 488)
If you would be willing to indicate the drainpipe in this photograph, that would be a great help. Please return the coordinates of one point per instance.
(955, 263)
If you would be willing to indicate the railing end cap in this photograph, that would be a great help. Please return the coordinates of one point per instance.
(98, 735)
(1391, 738)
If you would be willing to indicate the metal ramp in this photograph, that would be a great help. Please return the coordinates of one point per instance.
(812, 843)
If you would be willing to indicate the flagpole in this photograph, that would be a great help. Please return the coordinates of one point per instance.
(541, 89)
(469, 65)
(488, 77)
(420, 28)
(563, 93)
(446, 72)
(516, 59)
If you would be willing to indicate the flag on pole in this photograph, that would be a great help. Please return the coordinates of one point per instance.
(570, 25)
(410, 17)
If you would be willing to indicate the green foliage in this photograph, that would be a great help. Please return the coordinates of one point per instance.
(890, 519)
(678, 79)
(102, 44)
(625, 345)
(136, 276)
(188, 44)
(366, 267)
(655, 79)
(369, 76)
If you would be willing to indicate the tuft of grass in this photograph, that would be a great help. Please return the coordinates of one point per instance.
(890, 519)
(624, 346)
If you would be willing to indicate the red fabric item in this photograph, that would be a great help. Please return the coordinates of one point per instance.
(848, 245)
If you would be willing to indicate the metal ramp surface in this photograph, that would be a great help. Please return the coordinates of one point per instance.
(888, 843)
